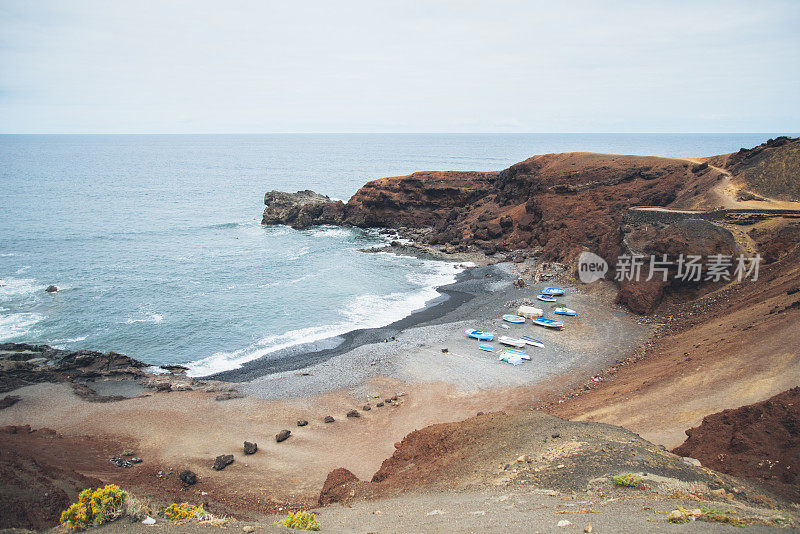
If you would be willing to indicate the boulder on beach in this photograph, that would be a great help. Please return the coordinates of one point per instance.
(222, 461)
(328, 419)
(302, 422)
(283, 435)
(353, 413)
(250, 448)
(339, 487)
(188, 477)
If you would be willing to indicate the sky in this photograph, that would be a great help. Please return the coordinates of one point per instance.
(264, 66)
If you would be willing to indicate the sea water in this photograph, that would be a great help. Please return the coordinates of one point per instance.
(156, 246)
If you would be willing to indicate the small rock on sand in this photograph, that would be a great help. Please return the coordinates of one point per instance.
(248, 528)
(250, 448)
(188, 477)
(283, 435)
(564, 523)
(302, 422)
(366, 407)
(379, 405)
(353, 413)
(8, 401)
(222, 461)
(587, 528)
(328, 419)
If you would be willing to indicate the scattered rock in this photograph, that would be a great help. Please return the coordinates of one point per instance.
(366, 407)
(283, 435)
(379, 405)
(175, 368)
(302, 422)
(563, 523)
(8, 401)
(353, 413)
(587, 528)
(120, 461)
(328, 419)
(248, 528)
(228, 395)
(51, 289)
(148, 521)
(222, 461)
(250, 448)
(189, 477)
(339, 486)
(445, 351)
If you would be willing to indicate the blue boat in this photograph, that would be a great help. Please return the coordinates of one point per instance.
(552, 291)
(480, 334)
(547, 323)
(487, 348)
(546, 298)
(565, 311)
(516, 319)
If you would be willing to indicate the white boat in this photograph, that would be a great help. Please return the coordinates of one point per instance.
(511, 341)
(546, 298)
(532, 341)
(510, 358)
(515, 352)
(516, 319)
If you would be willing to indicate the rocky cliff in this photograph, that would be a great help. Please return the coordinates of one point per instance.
(556, 205)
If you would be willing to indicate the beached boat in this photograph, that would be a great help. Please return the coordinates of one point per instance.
(548, 323)
(511, 341)
(529, 311)
(516, 319)
(487, 348)
(532, 341)
(521, 354)
(552, 291)
(480, 334)
(510, 358)
(546, 298)
(565, 311)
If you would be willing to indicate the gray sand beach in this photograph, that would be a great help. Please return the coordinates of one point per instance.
(432, 347)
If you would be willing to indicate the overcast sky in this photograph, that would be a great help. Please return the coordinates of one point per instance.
(199, 66)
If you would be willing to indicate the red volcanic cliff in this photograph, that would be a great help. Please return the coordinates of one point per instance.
(561, 202)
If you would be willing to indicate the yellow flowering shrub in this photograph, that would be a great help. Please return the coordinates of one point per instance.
(300, 520)
(185, 511)
(95, 508)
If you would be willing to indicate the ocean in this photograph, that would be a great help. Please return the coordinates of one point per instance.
(156, 245)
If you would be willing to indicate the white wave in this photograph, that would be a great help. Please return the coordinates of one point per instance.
(17, 324)
(22, 269)
(225, 361)
(8, 254)
(298, 254)
(69, 340)
(331, 231)
(19, 287)
(149, 318)
(363, 311)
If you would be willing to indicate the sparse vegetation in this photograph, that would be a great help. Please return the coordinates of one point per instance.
(628, 480)
(95, 508)
(718, 516)
(300, 520)
(185, 512)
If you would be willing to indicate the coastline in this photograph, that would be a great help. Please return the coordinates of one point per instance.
(305, 355)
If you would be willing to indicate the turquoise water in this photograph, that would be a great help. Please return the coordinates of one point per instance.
(156, 244)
